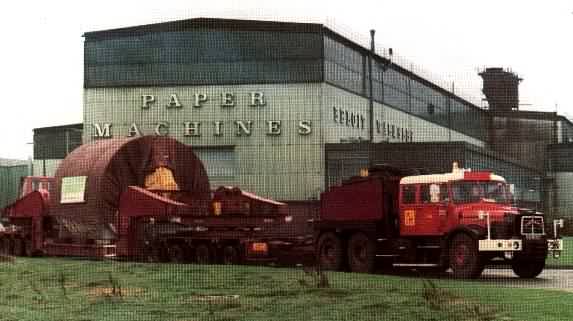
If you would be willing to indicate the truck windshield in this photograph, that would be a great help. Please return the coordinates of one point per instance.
(475, 191)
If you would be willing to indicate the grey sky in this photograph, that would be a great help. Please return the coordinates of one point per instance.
(448, 41)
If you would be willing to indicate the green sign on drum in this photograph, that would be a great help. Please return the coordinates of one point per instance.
(73, 189)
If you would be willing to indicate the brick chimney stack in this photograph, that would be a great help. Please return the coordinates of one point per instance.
(500, 87)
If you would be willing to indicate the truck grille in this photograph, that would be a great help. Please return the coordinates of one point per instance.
(532, 226)
(501, 230)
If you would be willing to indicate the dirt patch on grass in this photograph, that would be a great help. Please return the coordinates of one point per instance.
(99, 292)
(6, 258)
(215, 298)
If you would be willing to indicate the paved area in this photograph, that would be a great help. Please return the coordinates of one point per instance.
(557, 279)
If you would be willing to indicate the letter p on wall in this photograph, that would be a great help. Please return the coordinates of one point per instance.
(147, 100)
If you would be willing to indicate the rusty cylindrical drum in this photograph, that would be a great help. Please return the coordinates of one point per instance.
(90, 181)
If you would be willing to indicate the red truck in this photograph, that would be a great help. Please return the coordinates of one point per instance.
(463, 220)
(138, 198)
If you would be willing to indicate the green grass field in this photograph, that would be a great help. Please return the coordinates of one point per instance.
(65, 289)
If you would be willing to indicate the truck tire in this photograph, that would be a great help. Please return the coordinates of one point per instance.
(230, 255)
(361, 256)
(177, 253)
(527, 269)
(203, 254)
(464, 257)
(329, 252)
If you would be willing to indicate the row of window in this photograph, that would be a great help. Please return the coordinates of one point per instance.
(203, 57)
(459, 191)
(202, 46)
(347, 68)
(409, 193)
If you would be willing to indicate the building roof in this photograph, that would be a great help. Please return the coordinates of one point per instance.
(204, 23)
(6, 162)
(73, 127)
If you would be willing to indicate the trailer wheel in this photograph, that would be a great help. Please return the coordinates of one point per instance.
(361, 256)
(152, 253)
(4, 246)
(28, 248)
(464, 257)
(18, 247)
(527, 269)
(203, 254)
(230, 255)
(329, 252)
(177, 253)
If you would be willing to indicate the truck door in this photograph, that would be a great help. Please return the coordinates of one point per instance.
(424, 214)
(433, 208)
(408, 209)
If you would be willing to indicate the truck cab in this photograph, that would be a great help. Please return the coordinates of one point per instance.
(473, 215)
(438, 203)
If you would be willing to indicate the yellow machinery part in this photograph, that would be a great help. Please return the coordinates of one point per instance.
(161, 179)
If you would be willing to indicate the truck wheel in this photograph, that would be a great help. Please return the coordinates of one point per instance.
(4, 247)
(361, 254)
(177, 253)
(230, 255)
(527, 269)
(203, 254)
(329, 252)
(464, 257)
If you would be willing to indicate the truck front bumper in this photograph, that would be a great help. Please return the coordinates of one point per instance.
(501, 245)
(554, 246)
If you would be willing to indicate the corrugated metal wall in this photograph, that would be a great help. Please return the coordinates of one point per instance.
(56, 142)
(9, 182)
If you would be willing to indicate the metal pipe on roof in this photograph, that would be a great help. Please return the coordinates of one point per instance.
(371, 94)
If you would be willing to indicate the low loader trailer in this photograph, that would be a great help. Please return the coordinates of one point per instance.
(145, 198)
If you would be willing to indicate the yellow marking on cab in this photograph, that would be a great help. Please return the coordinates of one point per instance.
(409, 217)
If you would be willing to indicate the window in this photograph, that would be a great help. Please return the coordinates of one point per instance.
(408, 194)
(425, 193)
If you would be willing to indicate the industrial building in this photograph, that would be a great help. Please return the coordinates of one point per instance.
(11, 172)
(287, 109)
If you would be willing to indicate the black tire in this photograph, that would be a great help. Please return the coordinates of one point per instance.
(4, 247)
(361, 253)
(177, 253)
(151, 253)
(230, 255)
(203, 254)
(18, 247)
(329, 252)
(28, 248)
(464, 257)
(527, 269)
